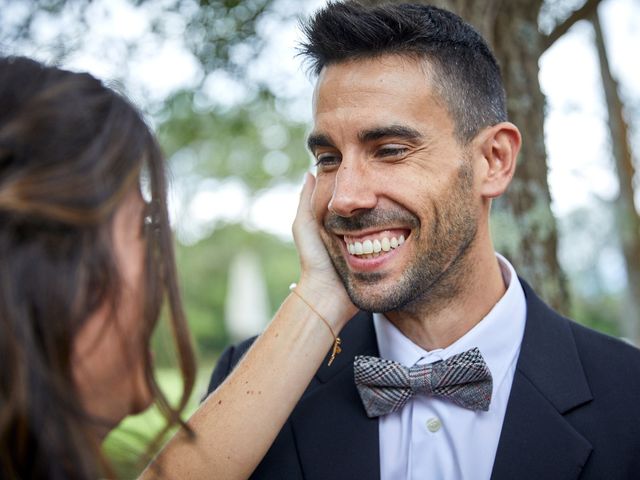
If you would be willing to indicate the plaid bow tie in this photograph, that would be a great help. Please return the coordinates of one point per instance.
(385, 386)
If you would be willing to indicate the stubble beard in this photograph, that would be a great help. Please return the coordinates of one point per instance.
(439, 268)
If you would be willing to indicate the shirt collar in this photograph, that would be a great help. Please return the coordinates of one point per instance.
(498, 335)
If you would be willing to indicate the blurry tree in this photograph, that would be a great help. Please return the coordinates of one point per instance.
(597, 299)
(219, 28)
(214, 30)
(627, 217)
(252, 141)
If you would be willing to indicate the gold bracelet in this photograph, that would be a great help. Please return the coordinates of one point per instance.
(336, 340)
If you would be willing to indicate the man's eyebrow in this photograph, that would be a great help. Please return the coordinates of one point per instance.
(398, 131)
(318, 140)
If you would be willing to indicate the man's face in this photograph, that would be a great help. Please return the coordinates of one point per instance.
(395, 190)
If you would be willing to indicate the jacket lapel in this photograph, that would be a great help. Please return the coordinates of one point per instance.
(536, 439)
(335, 437)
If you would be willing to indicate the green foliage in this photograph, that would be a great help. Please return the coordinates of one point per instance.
(253, 141)
(204, 270)
(215, 31)
(220, 27)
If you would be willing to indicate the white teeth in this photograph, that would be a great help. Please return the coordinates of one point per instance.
(375, 246)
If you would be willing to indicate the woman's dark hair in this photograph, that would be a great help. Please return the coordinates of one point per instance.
(70, 151)
(466, 74)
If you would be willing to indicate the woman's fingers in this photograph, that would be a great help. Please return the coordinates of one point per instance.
(306, 231)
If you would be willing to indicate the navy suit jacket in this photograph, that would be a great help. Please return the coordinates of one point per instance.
(573, 411)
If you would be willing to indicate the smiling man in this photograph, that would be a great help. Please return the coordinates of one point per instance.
(403, 201)
(453, 369)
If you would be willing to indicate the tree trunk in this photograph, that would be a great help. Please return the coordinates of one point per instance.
(518, 44)
(627, 219)
(524, 226)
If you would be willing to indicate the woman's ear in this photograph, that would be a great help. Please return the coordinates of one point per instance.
(499, 146)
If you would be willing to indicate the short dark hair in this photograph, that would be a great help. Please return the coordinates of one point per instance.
(466, 74)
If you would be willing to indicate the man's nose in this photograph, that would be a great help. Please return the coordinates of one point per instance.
(353, 190)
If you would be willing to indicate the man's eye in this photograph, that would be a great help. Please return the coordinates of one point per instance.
(327, 160)
(391, 151)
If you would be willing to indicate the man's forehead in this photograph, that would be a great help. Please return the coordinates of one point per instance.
(386, 75)
(388, 62)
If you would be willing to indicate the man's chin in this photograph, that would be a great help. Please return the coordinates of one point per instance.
(373, 297)
(369, 291)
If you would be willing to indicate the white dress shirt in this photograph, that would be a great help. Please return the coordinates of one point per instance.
(431, 438)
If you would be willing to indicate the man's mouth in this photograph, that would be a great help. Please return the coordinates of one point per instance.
(375, 244)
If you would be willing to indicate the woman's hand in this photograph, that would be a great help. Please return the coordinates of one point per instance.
(319, 283)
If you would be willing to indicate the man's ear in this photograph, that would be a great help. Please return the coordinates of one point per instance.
(498, 147)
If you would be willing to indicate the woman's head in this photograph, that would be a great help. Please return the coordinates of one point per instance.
(85, 266)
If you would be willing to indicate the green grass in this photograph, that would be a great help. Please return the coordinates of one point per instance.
(127, 446)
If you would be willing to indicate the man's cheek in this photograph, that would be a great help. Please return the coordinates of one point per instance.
(327, 240)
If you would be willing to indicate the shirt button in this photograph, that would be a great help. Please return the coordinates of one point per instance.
(433, 424)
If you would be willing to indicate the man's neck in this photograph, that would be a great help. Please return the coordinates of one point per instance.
(440, 320)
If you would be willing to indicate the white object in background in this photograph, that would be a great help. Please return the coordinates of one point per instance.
(247, 304)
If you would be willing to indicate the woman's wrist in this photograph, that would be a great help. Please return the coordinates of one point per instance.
(330, 301)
